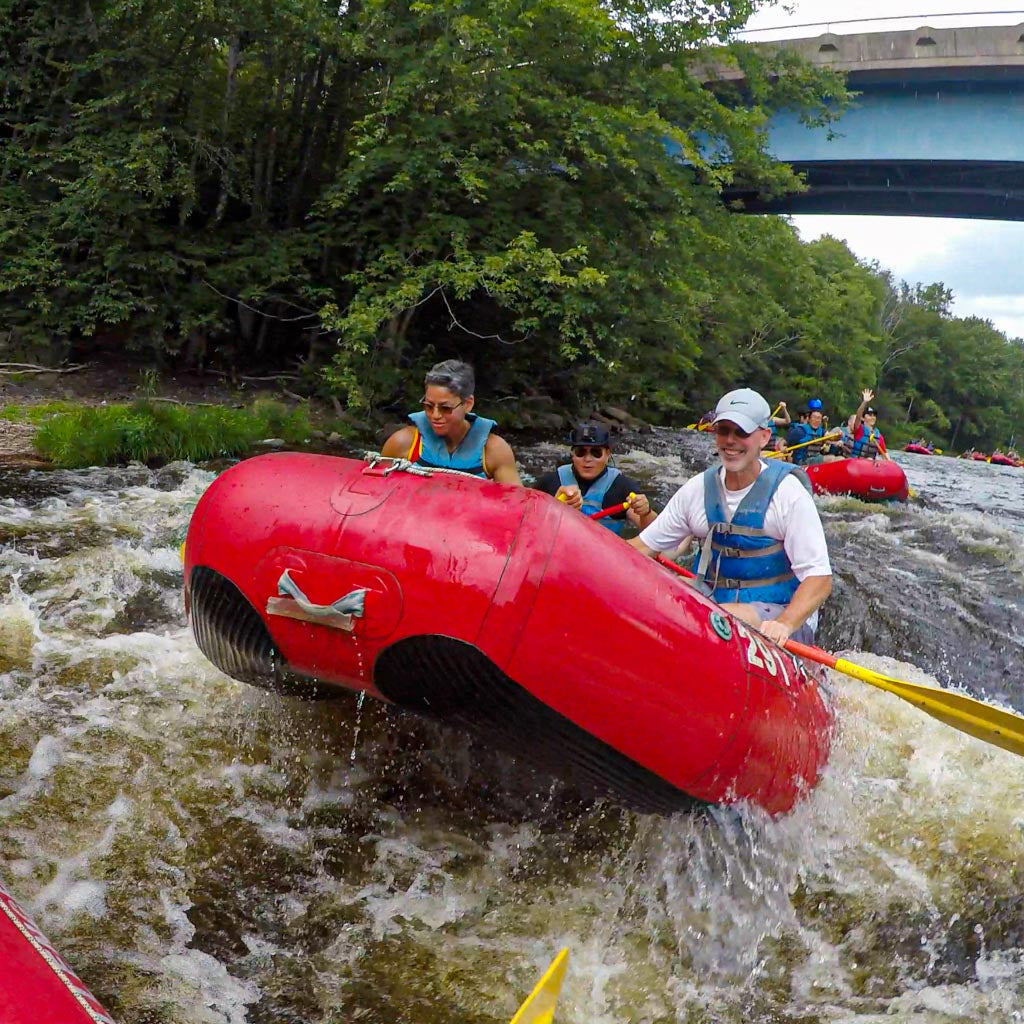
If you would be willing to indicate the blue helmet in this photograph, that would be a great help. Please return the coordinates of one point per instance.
(814, 405)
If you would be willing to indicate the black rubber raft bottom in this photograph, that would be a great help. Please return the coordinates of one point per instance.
(445, 679)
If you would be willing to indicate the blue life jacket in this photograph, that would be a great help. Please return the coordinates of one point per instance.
(846, 442)
(807, 432)
(430, 450)
(866, 446)
(746, 564)
(593, 496)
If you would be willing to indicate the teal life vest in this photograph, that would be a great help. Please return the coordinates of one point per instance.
(594, 495)
(807, 433)
(866, 446)
(739, 561)
(430, 450)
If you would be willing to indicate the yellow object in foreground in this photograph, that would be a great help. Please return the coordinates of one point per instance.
(539, 1007)
(983, 721)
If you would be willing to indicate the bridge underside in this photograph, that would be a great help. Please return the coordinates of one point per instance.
(986, 190)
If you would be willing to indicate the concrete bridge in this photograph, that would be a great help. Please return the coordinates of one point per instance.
(937, 130)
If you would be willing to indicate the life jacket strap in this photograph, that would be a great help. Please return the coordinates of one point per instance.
(731, 552)
(725, 583)
(738, 531)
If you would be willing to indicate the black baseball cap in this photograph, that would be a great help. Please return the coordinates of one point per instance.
(871, 409)
(590, 433)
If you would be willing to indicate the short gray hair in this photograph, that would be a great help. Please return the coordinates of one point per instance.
(456, 376)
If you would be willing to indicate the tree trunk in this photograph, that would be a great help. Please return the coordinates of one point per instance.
(956, 430)
(230, 88)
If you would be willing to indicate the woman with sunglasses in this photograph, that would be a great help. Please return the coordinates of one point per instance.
(588, 483)
(763, 551)
(447, 434)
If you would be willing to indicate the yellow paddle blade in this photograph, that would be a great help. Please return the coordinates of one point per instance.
(983, 721)
(539, 1007)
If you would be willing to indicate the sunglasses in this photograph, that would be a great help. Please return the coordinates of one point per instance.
(441, 410)
(727, 430)
(581, 451)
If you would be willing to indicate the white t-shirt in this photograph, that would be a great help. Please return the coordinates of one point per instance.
(791, 518)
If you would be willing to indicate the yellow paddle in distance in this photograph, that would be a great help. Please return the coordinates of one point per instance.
(983, 721)
(539, 1007)
(833, 436)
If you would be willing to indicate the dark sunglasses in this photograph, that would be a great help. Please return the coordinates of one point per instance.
(581, 451)
(727, 430)
(443, 410)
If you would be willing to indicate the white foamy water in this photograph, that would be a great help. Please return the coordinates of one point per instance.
(204, 852)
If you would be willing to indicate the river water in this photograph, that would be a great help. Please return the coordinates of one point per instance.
(206, 853)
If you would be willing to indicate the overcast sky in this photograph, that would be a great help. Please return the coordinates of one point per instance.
(982, 261)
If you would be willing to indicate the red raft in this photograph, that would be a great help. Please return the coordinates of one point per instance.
(868, 479)
(36, 984)
(500, 610)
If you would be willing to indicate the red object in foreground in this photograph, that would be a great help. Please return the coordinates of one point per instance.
(610, 511)
(869, 479)
(36, 984)
(498, 609)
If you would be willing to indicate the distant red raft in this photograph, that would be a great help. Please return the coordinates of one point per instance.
(868, 479)
(36, 984)
(499, 610)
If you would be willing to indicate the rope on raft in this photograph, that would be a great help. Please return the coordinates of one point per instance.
(399, 465)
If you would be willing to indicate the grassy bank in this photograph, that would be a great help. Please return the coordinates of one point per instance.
(146, 430)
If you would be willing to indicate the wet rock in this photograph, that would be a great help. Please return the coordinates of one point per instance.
(552, 421)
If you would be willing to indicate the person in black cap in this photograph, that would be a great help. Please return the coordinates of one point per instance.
(867, 438)
(588, 483)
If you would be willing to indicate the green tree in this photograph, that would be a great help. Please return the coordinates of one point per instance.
(384, 181)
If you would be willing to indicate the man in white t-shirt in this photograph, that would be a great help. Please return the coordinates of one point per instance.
(763, 550)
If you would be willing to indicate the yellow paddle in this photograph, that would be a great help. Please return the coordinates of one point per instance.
(983, 721)
(993, 725)
(833, 436)
(539, 1007)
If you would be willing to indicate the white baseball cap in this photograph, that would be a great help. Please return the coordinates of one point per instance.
(744, 407)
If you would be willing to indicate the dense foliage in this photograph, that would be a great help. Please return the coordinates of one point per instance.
(371, 186)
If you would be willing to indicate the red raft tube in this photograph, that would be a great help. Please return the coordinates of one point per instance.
(36, 985)
(498, 609)
(867, 479)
